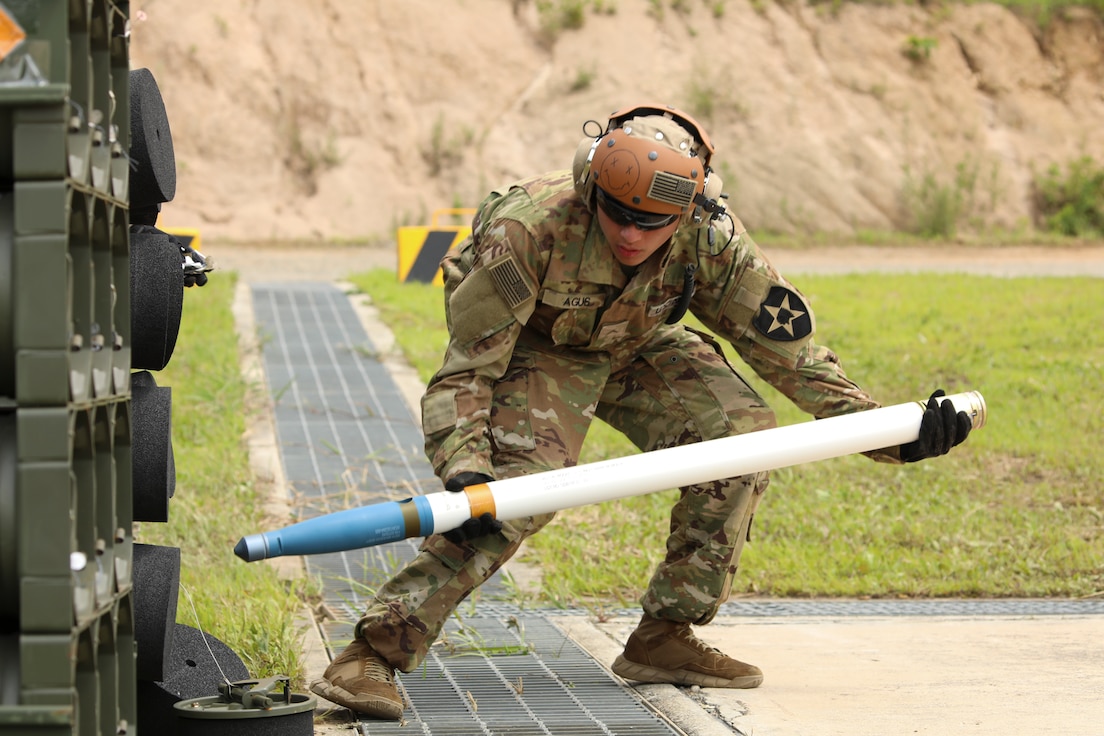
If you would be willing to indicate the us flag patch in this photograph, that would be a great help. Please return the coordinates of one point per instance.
(508, 281)
(783, 316)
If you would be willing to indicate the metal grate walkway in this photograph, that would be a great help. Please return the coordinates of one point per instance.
(347, 438)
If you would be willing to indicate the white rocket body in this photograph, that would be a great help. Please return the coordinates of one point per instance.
(633, 475)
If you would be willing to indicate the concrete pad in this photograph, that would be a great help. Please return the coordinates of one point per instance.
(892, 675)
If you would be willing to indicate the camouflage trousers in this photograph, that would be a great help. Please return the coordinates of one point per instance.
(678, 390)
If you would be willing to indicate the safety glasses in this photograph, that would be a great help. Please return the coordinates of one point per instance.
(623, 216)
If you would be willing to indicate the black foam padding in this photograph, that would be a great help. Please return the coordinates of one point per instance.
(156, 297)
(156, 590)
(153, 162)
(153, 468)
(190, 672)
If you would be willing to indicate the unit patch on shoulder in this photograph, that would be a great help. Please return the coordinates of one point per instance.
(783, 316)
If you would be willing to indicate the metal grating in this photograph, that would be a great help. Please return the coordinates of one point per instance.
(347, 438)
(517, 675)
(346, 435)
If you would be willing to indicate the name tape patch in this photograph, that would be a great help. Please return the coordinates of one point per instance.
(562, 300)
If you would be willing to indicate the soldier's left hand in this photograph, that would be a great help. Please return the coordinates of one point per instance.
(941, 428)
(472, 528)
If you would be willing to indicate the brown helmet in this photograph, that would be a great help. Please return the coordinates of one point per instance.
(651, 158)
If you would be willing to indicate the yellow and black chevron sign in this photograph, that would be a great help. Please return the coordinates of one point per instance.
(422, 248)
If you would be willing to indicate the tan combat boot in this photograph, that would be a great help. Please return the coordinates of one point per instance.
(361, 680)
(668, 651)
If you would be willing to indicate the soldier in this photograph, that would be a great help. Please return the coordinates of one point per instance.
(564, 305)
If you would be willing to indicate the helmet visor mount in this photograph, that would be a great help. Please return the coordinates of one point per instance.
(624, 216)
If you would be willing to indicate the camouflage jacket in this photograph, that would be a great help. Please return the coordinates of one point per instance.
(537, 271)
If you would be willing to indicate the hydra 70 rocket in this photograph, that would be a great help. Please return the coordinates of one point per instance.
(633, 475)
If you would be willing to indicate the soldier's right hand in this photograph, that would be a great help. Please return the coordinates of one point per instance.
(941, 428)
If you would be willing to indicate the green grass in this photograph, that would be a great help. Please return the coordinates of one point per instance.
(1016, 511)
(245, 606)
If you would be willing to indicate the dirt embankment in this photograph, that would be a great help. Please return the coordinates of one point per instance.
(343, 120)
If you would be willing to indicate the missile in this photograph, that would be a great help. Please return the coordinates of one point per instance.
(606, 480)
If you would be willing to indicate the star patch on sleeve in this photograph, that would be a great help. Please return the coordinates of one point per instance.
(783, 316)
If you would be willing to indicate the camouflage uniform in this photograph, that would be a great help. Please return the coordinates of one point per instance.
(547, 332)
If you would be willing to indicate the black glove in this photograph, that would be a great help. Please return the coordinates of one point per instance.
(472, 528)
(940, 429)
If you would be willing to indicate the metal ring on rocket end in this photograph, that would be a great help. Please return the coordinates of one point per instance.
(980, 412)
(971, 402)
(251, 548)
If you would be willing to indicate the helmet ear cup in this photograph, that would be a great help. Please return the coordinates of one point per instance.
(713, 186)
(580, 168)
(711, 206)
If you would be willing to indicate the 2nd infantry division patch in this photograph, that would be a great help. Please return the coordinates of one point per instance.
(783, 316)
